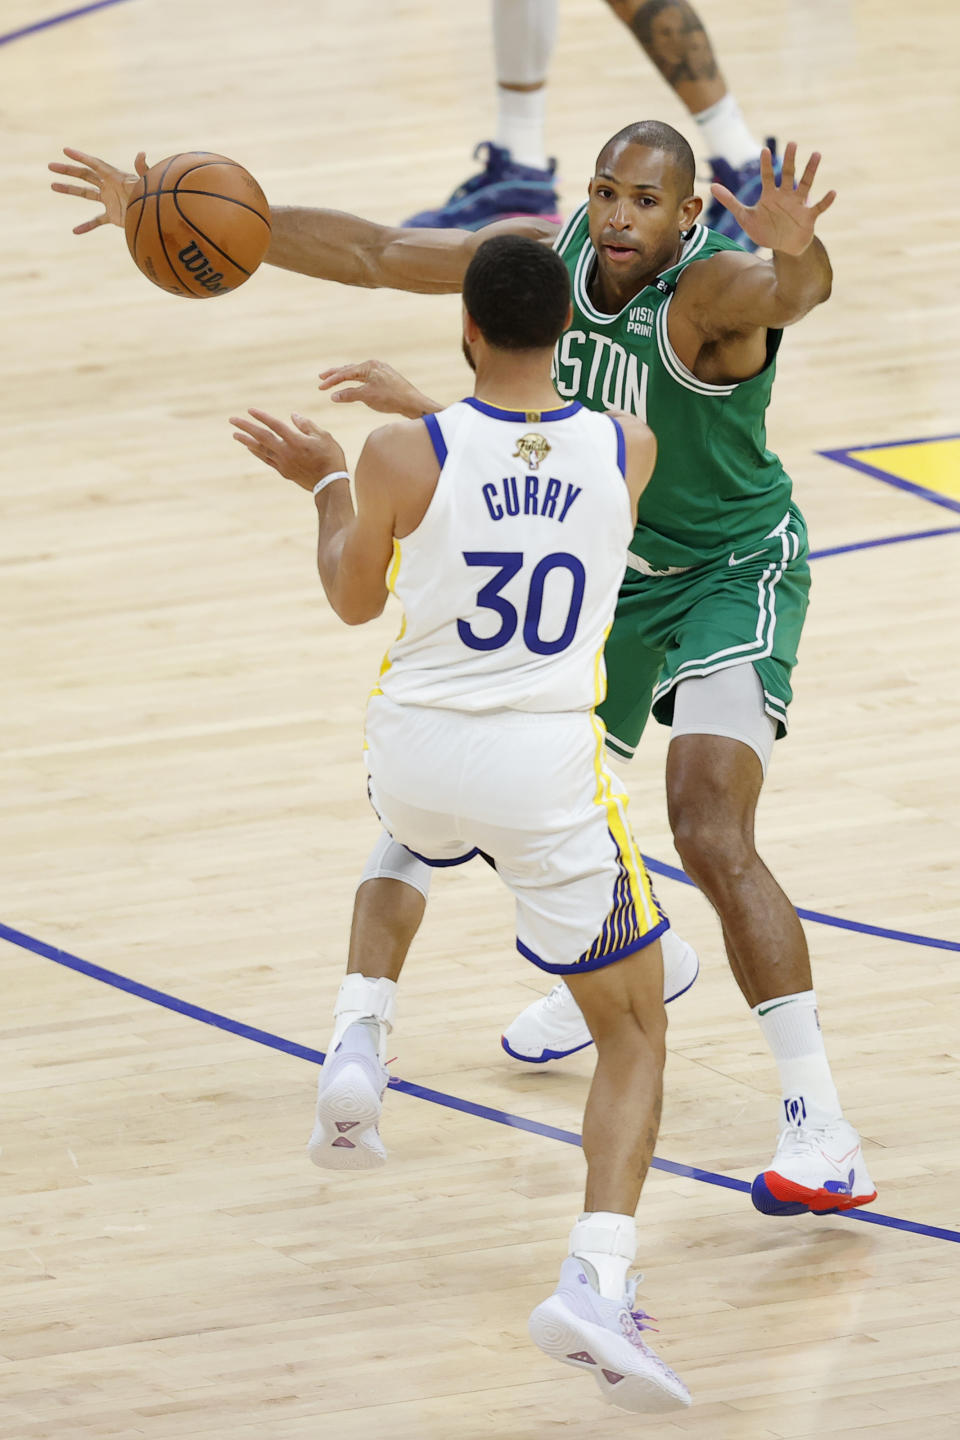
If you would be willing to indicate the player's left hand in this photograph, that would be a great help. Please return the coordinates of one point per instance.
(302, 452)
(781, 219)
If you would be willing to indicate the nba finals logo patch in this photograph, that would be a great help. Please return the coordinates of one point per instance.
(531, 449)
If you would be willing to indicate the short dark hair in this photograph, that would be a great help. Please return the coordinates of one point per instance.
(518, 293)
(655, 135)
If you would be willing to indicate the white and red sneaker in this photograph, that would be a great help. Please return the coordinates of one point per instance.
(578, 1327)
(553, 1027)
(815, 1168)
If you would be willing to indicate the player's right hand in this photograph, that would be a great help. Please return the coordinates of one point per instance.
(380, 387)
(103, 183)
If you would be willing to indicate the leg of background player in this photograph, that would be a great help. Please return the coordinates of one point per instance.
(517, 178)
(713, 785)
(676, 41)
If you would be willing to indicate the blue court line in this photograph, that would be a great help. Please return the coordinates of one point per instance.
(844, 457)
(407, 1087)
(906, 937)
(886, 540)
(61, 19)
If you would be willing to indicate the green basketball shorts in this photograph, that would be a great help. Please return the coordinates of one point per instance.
(747, 608)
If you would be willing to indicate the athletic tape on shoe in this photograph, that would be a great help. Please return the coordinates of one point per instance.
(605, 1233)
(367, 999)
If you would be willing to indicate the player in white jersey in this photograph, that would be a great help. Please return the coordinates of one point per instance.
(501, 525)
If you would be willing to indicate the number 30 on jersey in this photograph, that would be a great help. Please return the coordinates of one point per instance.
(507, 564)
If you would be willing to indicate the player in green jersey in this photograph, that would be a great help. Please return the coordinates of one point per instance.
(683, 328)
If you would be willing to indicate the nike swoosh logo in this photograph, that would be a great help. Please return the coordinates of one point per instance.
(765, 1009)
(842, 1163)
(744, 558)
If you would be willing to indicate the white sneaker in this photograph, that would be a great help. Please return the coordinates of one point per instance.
(819, 1169)
(579, 1327)
(553, 1027)
(349, 1101)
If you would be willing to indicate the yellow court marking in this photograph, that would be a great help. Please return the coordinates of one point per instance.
(934, 464)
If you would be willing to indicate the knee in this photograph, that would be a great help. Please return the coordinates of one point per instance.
(712, 845)
(631, 1029)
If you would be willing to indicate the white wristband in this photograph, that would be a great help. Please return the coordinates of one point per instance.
(329, 479)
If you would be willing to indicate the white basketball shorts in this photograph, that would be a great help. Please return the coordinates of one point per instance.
(533, 794)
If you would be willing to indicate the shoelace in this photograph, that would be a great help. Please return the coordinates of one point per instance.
(800, 1137)
(556, 998)
(638, 1316)
(492, 170)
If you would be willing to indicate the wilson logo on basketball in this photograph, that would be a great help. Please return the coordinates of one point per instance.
(193, 259)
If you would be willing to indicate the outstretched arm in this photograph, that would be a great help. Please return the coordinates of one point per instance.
(327, 244)
(731, 294)
(332, 245)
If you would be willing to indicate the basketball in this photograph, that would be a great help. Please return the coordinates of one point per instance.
(198, 224)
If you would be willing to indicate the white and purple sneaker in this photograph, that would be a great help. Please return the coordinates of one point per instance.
(552, 1027)
(578, 1327)
(349, 1101)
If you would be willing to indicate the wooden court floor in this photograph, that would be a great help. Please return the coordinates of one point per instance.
(183, 801)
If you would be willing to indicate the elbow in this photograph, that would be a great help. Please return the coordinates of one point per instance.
(356, 611)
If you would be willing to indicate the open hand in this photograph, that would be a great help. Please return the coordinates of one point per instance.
(303, 454)
(103, 183)
(781, 219)
(381, 388)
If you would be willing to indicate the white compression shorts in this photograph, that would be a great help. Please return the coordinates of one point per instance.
(533, 793)
(729, 703)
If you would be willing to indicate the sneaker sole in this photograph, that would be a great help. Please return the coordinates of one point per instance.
(348, 1111)
(562, 1335)
(773, 1195)
(544, 1055)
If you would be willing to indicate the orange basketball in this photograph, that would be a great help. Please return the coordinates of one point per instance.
(198, 224)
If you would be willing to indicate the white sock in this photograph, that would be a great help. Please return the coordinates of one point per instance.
(726, 133)
(791, 1028)
(606, 1243)
(520, 125)
(524, 32)
(361, 998)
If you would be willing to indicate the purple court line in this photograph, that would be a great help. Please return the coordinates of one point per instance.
(61, 19)
(906, 937)
(844, 457)
(886, 540)
(407, 1087)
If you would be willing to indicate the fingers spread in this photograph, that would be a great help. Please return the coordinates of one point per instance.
(339, 373)
(766, 167)
(728, 200)
(90, 225)
(277, 426)
(86, 159)
(806, 179)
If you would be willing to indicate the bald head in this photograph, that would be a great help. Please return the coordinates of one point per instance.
(655, 135)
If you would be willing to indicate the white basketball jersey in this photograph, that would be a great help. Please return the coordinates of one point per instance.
(508, 584)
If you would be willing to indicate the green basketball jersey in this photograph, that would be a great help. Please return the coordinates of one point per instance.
(715, 484)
